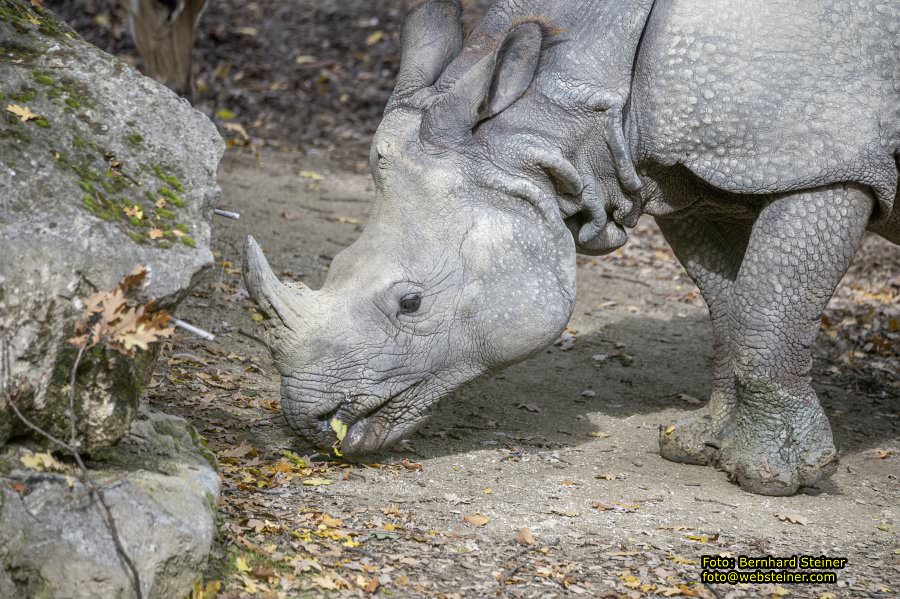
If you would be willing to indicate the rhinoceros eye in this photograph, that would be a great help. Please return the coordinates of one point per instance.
(410, 303)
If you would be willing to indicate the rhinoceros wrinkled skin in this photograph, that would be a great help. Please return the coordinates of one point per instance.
(763, 136)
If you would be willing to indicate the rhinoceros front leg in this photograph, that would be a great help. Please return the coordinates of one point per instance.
(800, 247)
(711, 250)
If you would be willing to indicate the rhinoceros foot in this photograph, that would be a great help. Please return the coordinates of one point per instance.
(697, 438)
(781, 453)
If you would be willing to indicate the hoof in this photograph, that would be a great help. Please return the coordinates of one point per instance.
(780, 462)
(689, 441)
(697, 438)
(762, 478)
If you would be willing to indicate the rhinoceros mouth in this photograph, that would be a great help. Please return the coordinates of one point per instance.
(381, 424)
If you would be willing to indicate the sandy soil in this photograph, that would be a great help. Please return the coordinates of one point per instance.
(564, 444)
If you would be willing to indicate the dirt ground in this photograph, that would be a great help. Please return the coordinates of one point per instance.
(564, 444)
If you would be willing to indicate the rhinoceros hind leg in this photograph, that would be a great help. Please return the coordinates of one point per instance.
(711, 250)
(800, 247)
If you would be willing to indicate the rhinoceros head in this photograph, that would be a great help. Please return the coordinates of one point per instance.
(462, 269)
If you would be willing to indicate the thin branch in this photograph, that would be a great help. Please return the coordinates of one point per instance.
(72, 448)
(73, 433)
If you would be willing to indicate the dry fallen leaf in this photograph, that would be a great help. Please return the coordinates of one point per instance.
(316, 482)
(688, 399)
(880, 454)
(340, 429)
(702, 538)
(374, 37)
(43, 462)
(242, 450)
(525, 537)
(476, 519)
(134, 212)
(311, 175)
(414, 466)
(155, 233)
(792, 518)
(23, 112)
(345, 220)
(599, 435)
(238, 129)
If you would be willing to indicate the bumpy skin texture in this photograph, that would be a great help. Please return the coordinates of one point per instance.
(762, 135)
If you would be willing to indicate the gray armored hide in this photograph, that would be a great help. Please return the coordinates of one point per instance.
(87, 146)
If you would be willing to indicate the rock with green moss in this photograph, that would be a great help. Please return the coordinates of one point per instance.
(101, 169)
(162, 487)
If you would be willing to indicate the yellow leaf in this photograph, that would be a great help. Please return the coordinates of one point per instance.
(238, 129)
(678, 559)
(374, 38)
(488, 491)
(702, 538)
(340, 429)
(43, 462)
(670, 430)
(135, 212)
(346, 220)
(209, 591)
(599, 435)
(155, 233)
(160, 203)
(632, 582)
(330, 521)
(326, 581)
(257, 317)
(225, 114)
(476, 519)
(316, 482)
(780, 591)
(23, 112)
(241, 564)
(312, 175)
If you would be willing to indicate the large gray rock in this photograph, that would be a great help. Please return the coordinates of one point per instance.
(162, 487)
(105, 139)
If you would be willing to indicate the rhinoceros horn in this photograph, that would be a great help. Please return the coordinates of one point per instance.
(275, 298)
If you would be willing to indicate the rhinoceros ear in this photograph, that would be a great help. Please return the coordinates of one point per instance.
(486, 88)
(516, 64)
(432, 38)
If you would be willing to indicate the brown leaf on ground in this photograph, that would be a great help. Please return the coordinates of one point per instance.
(413, 466)
(476, 519)
(792, 518)
(525, 537)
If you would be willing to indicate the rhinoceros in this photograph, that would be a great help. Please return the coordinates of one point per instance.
(762, 136)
